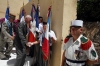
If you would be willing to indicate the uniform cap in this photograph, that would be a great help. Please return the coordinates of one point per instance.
(12, 16)
(77, 23)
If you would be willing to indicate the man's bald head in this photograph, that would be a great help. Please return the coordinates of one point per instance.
(28, 18)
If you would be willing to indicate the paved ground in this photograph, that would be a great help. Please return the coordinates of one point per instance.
(12, 60)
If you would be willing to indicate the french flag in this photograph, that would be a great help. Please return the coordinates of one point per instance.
(22, 16)
(36, 17)
(32, 32)
(7, 14)
(45, 45)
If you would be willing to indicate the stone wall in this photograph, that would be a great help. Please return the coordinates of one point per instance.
(92, 31)
(15, 7)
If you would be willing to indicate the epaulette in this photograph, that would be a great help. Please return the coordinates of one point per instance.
(67, 38)
(85, 43)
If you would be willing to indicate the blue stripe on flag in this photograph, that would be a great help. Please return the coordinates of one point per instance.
(7, 13)
(33, 12)
(37, 16)
(49, 19)
(22, 13)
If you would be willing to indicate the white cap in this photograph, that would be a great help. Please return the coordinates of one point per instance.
(77, 23)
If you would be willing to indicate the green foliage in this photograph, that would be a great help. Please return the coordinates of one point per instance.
(88, 10)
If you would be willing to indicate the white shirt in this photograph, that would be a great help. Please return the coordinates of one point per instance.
(51, 34)
(72, 48)
(40, 27)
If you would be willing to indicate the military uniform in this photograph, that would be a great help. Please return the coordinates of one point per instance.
(79, 51)
(6, 33)
(6, 39)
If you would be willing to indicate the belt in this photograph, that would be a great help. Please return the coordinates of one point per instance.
(70, 65)
(75, 61)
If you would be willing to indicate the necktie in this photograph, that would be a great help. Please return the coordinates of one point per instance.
(10, 29)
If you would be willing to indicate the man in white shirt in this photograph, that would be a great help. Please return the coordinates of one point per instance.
(40, 24)
(78, 50)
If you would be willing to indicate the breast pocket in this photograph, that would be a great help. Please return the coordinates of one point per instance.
(80, 55)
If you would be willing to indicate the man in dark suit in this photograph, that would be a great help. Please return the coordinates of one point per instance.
(21, 41)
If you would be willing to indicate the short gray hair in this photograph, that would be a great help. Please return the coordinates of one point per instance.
(28, 16)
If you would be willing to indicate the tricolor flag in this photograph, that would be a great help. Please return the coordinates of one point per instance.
(36, 17)
(45, 45)
(33, 11)
(22, 15)
(7, 14)
(32, 32)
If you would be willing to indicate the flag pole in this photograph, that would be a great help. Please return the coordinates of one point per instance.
(33, 2)
(51, 3)
(23, 7)
(49, 30)
(38, 1)
(7, 3)
(39, 6)
(23, 3)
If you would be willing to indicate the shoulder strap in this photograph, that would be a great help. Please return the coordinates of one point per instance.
(85, 43)
(67, 38)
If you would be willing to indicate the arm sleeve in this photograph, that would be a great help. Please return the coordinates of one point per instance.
(20, 32)
(52, 35)
(40, 28)
(91, 53)
(64, 46)
(4, 30)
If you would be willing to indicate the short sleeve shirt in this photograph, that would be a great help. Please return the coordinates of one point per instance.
(74, 52)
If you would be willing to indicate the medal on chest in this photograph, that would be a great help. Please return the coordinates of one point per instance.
(78, 54)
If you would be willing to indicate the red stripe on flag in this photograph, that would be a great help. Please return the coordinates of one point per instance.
(31, 37)
(45, 49)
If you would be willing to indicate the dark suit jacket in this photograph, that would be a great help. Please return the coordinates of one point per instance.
(20, 39)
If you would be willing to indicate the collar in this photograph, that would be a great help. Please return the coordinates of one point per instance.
(9, 21)
(41, 23)
(78, 40)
